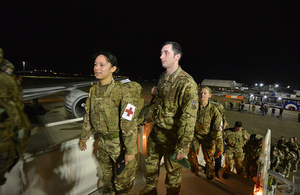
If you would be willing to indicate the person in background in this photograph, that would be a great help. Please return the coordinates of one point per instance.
(273, 112)
(235, 139)
(253, 149)
(280, 112)
(208, 134)
(253, 108)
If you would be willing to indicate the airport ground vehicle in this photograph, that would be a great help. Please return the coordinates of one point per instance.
(273, 101)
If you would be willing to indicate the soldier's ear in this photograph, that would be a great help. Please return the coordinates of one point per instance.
(177, 56)
(113, 69)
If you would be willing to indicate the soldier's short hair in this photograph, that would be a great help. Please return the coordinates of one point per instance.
(110, 58)
(238, 124)
(175, 47)
(205, 87)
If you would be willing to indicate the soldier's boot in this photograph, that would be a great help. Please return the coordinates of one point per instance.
(192, 158)
(284, 170)
(296, 166)
(173, 191)
(147, 191)
(287, 173)
(2, 179)
(225, 175)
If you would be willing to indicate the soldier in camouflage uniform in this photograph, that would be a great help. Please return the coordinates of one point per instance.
(218, 161)
(14, 125)
(287, 162)
(293, 147)
(235, 139)
(110, 114)
(208, 134)
(253, 149)
(277, 158)
(226, 105)
(281, 144)
(174, 117)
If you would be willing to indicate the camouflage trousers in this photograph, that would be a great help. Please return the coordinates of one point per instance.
(287, 165)
(236, 157)
(250, 168)
(162, 143)
(121, 184)
(208, 149)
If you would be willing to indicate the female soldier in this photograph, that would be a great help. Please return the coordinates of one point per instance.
(109, 113)
(208, 133)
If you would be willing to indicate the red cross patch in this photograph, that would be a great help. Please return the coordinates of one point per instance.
(221, 126)
(128, 112)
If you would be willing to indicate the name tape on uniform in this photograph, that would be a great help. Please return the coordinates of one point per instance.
(129, 112)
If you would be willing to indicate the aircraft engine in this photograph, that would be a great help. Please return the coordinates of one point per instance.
(75, 102)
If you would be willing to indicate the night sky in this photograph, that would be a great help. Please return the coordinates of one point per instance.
(253, 42)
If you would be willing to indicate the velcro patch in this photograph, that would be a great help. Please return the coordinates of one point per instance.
(194, 105)
(129, 112)
(221, 126)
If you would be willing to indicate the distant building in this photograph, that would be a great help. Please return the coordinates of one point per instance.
(221, 85)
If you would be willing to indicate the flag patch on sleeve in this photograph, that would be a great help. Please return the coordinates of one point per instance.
(129, 112)
(194, 106)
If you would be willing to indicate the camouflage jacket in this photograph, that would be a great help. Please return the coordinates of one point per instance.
(11, 86)
(11, 95)
(235, 139)
(292, 146)
(252, 152)
(104, 110)
(209, 125)
(175, 106)
(289, 155)
(221, 109)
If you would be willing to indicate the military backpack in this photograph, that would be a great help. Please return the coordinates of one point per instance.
(135, 89)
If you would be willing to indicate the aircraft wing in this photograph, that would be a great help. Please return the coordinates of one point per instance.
(35, 93)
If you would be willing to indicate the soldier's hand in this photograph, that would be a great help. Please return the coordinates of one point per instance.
(179, 156)
(153, 90)
(82, 144)
(217, 155)
(128, 158)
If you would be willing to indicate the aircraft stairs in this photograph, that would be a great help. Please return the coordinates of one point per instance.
(198, 185)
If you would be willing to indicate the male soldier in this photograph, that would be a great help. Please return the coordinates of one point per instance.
(14, 125)
(218, 161)
(281, 144)
(235, 139)
(253, 149)
(231, 106)
(293, 147)
(287, 162)
(253, 108)
(277, 158)
(226, 105)
(174, 117)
